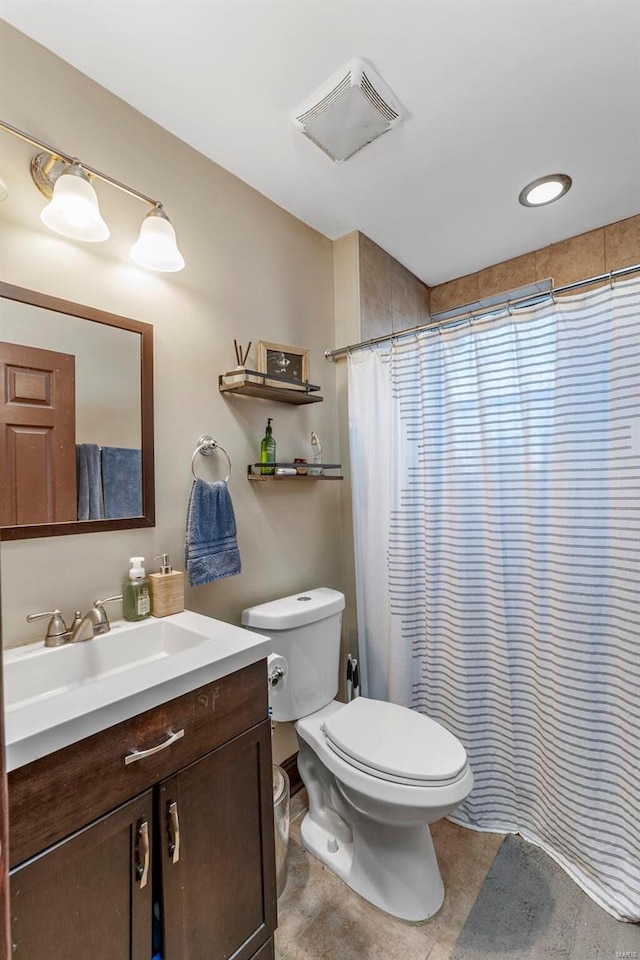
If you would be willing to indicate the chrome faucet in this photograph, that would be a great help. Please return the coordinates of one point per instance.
(94, 623)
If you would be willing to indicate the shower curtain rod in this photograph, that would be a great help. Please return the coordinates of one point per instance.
(517, 304)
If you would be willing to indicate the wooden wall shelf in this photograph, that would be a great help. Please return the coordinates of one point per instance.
(252, 383)
(299, 477)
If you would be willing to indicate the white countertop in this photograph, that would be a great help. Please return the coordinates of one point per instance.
(54, 718)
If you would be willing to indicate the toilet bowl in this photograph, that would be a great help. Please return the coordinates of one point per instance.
(377, 773)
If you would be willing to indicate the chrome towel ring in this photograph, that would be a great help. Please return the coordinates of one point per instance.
(206, 446)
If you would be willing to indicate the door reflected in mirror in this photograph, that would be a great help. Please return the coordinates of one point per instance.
(76, 432)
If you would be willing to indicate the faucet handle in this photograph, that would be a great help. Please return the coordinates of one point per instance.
(57, 629)
(102, 620)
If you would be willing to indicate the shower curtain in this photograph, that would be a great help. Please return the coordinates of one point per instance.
(496, 520)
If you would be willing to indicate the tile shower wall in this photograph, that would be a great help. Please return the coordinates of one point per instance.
(587, 255)
(391, 297)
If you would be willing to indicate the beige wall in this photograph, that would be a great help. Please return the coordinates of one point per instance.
(253, 272)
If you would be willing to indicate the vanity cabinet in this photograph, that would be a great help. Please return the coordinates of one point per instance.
(213, 867)
(93, 888)
(82, 883)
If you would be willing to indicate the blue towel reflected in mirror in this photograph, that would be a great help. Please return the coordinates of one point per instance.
(109, 482)
(89, 482)
(122, 482)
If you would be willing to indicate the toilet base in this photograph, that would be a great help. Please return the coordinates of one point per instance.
(370, 832)
(394, 868)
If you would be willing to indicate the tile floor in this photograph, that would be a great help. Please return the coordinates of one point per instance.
(320, 918)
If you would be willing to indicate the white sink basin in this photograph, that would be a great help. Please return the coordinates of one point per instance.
(54, 697)
(36, 674)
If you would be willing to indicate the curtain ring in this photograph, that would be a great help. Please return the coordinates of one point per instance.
(509, 311)
(611, 279)
(470, 318)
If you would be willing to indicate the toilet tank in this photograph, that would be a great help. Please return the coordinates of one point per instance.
(305, 629)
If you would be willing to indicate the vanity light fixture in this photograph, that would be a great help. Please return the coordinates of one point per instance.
(156, 246)
(545, 190)
(73, 209)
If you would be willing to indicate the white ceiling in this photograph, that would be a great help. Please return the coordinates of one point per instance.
(498, 92)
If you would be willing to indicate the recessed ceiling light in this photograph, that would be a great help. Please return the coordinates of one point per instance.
(545, 190)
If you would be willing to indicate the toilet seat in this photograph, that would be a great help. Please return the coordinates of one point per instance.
(394, 743)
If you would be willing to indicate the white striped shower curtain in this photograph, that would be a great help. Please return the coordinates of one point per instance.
(496, 514)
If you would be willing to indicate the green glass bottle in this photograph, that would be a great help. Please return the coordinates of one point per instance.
(268, 452)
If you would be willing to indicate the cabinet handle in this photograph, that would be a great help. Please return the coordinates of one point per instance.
(174, 832)
(142, 846)
(141, 754)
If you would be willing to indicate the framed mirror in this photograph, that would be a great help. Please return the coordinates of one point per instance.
(76, 418)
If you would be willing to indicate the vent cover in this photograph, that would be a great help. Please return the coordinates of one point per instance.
(347, 112)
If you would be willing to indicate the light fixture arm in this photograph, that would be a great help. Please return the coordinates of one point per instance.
(56, 154)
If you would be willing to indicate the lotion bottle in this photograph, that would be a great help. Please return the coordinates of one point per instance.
(167, 589)
(316, 456)
(136, 599)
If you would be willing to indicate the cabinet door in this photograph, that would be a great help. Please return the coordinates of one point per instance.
(218, 861)
(266, 952)
(88, 897)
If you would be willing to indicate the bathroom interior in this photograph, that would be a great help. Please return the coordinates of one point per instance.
(425, 619)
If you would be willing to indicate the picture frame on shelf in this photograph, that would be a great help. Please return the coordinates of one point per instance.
(282, 360)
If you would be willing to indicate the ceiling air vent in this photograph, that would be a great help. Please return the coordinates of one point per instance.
(347, 112)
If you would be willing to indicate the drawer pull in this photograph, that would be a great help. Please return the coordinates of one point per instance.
(174, 832)
(142, 847)
(141, 754)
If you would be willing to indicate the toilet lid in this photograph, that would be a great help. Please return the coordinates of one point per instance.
(395, 742)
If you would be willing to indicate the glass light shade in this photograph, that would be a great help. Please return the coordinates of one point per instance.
(73, 209)
(156, 247)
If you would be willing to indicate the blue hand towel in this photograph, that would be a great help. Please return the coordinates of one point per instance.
(89, 482)
(211, 551)
(122, 482)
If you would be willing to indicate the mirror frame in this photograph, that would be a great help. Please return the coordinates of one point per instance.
(27, 531)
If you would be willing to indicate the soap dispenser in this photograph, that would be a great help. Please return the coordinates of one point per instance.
(136, 601)
(167, 589)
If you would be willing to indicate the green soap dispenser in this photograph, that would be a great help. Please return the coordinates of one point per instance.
(268, 451)
(135, 592)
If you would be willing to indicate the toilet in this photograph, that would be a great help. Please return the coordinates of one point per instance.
(377, 774)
